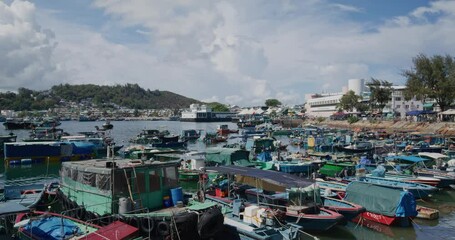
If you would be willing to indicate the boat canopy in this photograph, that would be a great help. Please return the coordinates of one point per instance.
(381, 200)
(263, 179)
(226, 156)
(414, 159)
(432, 155)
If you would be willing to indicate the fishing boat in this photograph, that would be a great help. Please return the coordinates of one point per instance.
(256, 222)
(191, 165)
(389, 206)
(5, 139)
(99, 144)
(337, 168)
(28, 195)
(47, 225)
(17, 123)
(327, 200)
(303, 212)
(227, 156)
(417, 189)
(45, 134)
(140, 193)
(190, 135)
(359, 147)
(421, 166)
(20, 153)
(107, 125)
(435, 182)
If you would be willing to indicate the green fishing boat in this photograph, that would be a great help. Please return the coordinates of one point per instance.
(336, 169)
(144, 194)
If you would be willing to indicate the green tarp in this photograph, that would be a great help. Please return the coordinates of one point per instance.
(226, 156)
(377, 199)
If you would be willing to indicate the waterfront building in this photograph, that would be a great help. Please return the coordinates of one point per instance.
(203, 113)
(399, 106)
(326, 104)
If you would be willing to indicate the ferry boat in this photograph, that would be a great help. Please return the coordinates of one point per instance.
(17, 123)
(203, 113)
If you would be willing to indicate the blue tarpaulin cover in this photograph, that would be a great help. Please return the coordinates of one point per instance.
(53, 228)
(264, 157)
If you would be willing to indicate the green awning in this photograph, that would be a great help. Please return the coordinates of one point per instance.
(427, 105)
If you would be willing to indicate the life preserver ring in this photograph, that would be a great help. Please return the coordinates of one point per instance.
(106, 219)
(30, 191)
(210, 223)
(147, 224)
(163, 228)
(134, 221)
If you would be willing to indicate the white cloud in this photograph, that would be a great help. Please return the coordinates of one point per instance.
(26, 50)
(237, 52)
(346, 8)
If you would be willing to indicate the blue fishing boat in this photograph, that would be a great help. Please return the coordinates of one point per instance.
(295, 167)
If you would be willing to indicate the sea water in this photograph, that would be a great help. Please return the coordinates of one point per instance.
(123, 131)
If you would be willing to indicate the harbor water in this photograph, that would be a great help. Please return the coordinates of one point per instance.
(444, 200)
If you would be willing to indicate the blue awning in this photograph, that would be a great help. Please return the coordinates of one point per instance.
(420, 112)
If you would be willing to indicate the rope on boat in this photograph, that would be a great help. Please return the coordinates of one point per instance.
(360, 222)
(417, 225)
(175, 225)
(284, 226)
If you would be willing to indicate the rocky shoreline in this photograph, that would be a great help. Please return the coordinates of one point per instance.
(443, 128)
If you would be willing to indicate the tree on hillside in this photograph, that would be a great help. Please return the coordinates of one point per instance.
(218, 107)
(272, 102)
(349, 101)
(381, 93)
(432, 77)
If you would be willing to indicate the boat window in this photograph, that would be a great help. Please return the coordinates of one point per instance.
(170, 177)
(74, 174)
(121, 183)
(103, 182)
(154, 180)
(87, 178)
(65, 172)
(140, 181)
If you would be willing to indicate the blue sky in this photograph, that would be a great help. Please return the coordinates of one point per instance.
(235, 52)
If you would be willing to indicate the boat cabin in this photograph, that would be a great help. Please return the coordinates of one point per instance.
(101, 184)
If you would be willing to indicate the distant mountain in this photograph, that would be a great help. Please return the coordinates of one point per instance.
(128, 95)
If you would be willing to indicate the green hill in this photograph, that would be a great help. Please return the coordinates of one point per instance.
(128, 95)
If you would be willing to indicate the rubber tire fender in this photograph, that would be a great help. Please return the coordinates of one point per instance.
(163, 228)
(147, 224)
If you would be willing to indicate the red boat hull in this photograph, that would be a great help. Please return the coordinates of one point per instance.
(386, 220)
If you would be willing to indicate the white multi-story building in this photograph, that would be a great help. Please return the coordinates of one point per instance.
(399, 106)
(324, 105)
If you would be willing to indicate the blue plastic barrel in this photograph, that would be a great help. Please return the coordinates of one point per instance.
(176, 195)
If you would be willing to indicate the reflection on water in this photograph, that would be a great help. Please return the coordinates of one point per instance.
(442, 228)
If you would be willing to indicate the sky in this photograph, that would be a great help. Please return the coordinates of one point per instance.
(238, 52)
